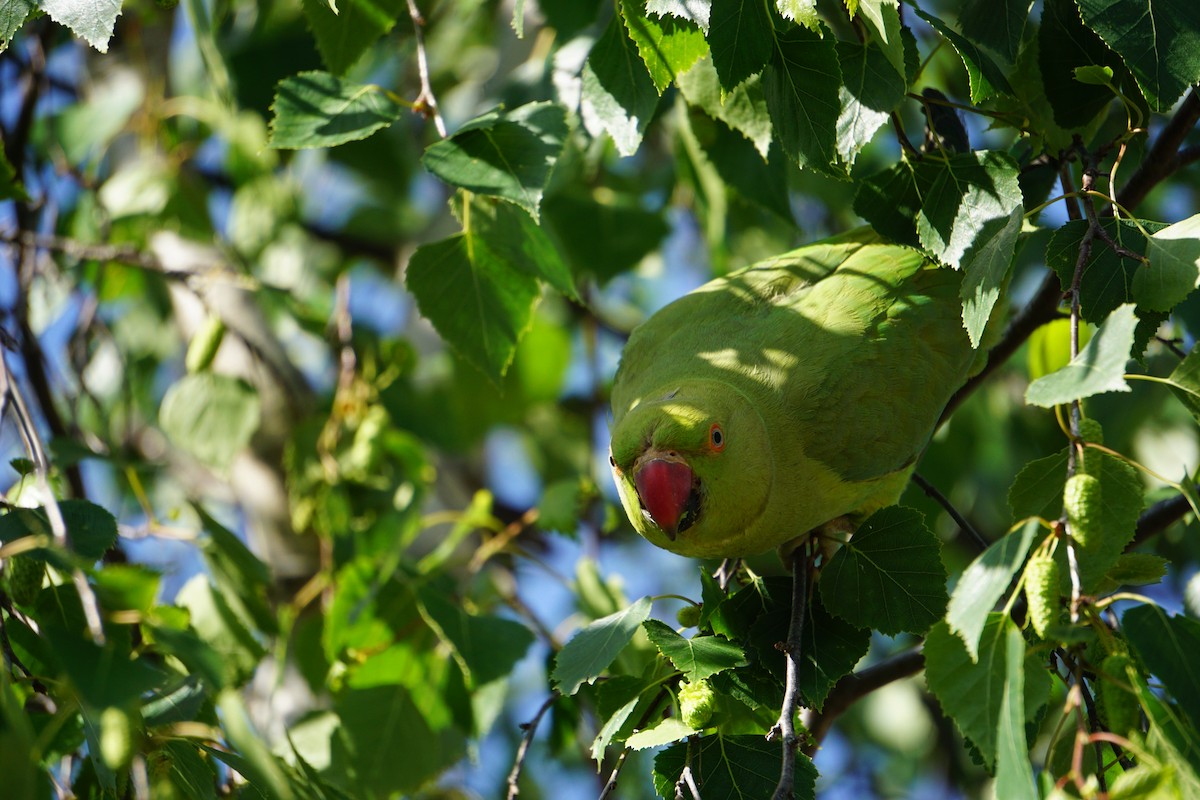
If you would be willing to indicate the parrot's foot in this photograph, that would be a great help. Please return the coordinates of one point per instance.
(804, 557)
(828, 538)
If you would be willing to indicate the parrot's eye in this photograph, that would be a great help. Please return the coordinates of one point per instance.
(612, 462)
(717, 437)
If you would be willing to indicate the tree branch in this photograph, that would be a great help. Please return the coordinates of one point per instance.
(857, 685)
(1164, 157)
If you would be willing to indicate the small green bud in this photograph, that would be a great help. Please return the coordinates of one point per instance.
(25, 576)
(688, 616)
(1082, 502)
(1041, 592)
(697, 701)
(204, 344)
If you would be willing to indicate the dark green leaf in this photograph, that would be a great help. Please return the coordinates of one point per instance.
(602, 235)
(1099, 367)
(344, 35)
(985, 581)
(211, 416)
(889, 576)
(968, 200)
(10, 187)
(1037, 490)
(1107, 280)
(1064, 44)
(1138, 569)
(619, 96)
(522, 243)
(103, 675)
(668, 45)
(740, 34)
(316, 109)
(1159, 40)
(489, 646)
(1184, 382)
(241, 577)
(997, 26)
(890, 201)
(985, 77)
(593, 648)
(872, 88)
(730, 767)
(222, 629)
(509, 154)
(697, 657)
(972, 692)
(801, 84)
(759, 180)
(91, 530)
(1168, 646)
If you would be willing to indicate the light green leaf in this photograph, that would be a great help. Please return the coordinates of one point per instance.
(1168, 646)
(696, 11)
(344, 34)
(966, 216)
(698, 657)
(668, 730)
(1014, 773)
(210, 416)
(1107, 279)
(516, 238)
(801, 85)
(803, 12)
(1158, 39)
(871, 90)
(1099, 367)
(13, 14)
(731, 767)
(883, 20)
(985, 581)
(619, 96)
(997, 25)
(1184, 381)
(91, 20)
(986, 78)
(972, 691)
(222, 629)
(743, 109)
(741, 35)
(316, 109)
(613, 725)
(594, 647)
(508, 154)
(1173, 270)
(986, 269)
(889, 576)
(668, 45)
(479, 301)
(1094, 75)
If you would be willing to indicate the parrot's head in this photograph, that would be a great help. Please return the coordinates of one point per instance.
(693, 466)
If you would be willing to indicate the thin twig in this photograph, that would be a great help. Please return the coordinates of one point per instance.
(10, 390)
(687, 780)
(1163, 158)
(785, 728)
(426, 98)
(610, 786)
(514, 777)
(941, 499)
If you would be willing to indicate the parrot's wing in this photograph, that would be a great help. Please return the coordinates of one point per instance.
(882, 398)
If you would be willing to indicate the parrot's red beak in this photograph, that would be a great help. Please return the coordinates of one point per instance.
(666, 490)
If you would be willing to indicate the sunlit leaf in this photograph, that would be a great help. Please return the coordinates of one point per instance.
(668, 45)
(1014, 773)
(594, 647)
(801, 84)
(619, 95)
(316, 109)
(1099, 367)
(211, 416)
(1173, 270)
(697, 657)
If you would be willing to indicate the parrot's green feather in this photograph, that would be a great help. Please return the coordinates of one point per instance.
(827, 368)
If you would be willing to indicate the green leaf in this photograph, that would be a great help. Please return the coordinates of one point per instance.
(740, 35)
(1138, 569)
(242, 579)
(10, 187)
(1014, 772)
(972, 692)
(987, 267)
(872, 87)
(616, 699)
(1159, 41)
(619, 97)
(801, 84)
(1107, 279)
(91, 529)
(668, 45)
(479, 301)
(522, 243)
(1168, 646)
(698, 657)
(91, 20)
(889, 576)
(888, 32)
(1065, 44)
(690, 10)
(1174, 268)
(594, 647)
(13, 14)
(985, 77)
(731, 767)
(742, 168)
(316, 109)
(1094, 75)
(1184, 381)
(889, 200)
(1038, 487)
(803, 12)
(997, 26)
(666, 731)
(985, 581)
(255, 760)
(489, 646)
(103, 675)
(210, 416)
(744, 109)
(344, 34)
(222, 629)
(602, 234)
(1099, 367)
(509, 154)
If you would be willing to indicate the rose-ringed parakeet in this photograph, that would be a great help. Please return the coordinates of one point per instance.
(788, 395)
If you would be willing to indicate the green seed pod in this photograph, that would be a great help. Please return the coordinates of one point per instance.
(204, 344)
(1118, 707)
(688, 616)
(116, 738)
(1041, 592)
(697, 701)
(25, 577)
(1090, 431)
(1082, 502)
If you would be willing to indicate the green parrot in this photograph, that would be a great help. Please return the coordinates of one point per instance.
(787, 396)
